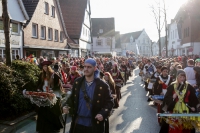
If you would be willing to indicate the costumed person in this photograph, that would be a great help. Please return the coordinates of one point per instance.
(109, 80)
(148, 70)
(117, 77)
(81, 70)
(153, 79)
(180, 98)
(90, 102)
(49, 119)
(74, 75)
(124, 69)
(162, 82)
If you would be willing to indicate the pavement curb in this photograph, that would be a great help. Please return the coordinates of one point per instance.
(9, 126)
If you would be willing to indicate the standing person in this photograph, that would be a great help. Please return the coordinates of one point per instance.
(189, 71)
(148, 70)
(74, 75)
(162, 82)
(109, 80)
(117, 77)
(178, 94)
(49, 119)
(90, 102)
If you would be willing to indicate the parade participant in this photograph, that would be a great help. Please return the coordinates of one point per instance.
(180, 98)
(109, 80)
(197, 62)
(189, 71)
(49, 119)
(164, 80)
(117, 77)
(154, 76)
(91, 102)
(74, 75)
(81, 70)
(125, 70)
(148, 70)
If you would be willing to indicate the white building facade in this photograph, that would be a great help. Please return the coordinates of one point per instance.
(138, 42)
(174, 41)
(18, 17)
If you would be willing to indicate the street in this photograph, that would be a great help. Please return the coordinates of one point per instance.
(135, 114)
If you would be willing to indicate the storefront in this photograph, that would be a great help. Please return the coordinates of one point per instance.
(45, 52)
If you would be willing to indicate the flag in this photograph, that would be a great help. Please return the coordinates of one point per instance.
(138, 52)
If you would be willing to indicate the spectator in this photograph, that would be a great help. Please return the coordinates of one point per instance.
(190, 75)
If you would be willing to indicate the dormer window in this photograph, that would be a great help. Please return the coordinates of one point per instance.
(101, 31)
(46, 8)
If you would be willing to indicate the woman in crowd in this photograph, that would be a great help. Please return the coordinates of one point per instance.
(117, 77)
(180, 98)
(109, 80)
(162, 82)
(49, 119)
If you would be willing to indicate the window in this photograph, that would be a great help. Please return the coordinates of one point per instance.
(100, 30)
(15, 27)
(61, 36)
(14, 53)
(52, 11)
(35, 30)
(109, 41)
(1, 25)
(46, 8)
(50, 33)
(99, 42)
(56, 35)
(86, 32)
(43, 32)
(83, 30)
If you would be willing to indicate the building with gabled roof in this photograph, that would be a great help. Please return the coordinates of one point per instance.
(45, 33)
(103, 33)
(76, 14)
(137, 42)
(18, 18)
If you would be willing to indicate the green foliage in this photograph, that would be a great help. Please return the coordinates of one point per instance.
(28, 72)
(12, 81)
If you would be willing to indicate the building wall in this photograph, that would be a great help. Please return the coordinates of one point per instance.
(144, 44)
(42, 19)
(104, 47)
(86, 30)
(173, 39)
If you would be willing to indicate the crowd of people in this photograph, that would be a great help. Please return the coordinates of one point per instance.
(175, 81)
(95, 83)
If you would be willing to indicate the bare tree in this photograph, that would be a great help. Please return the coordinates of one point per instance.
(157, 15)
(166, 27)
(6, 27)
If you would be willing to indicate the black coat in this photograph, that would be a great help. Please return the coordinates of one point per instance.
(102, 103)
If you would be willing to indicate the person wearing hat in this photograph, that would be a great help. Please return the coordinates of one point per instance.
(49, 119)
(73, 75)
(162, 82)
(81, 70)
(180, 98)
(91, 102)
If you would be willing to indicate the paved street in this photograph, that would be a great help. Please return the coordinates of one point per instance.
(135, 114)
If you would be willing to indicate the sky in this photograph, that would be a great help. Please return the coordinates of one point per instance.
(133, 15)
